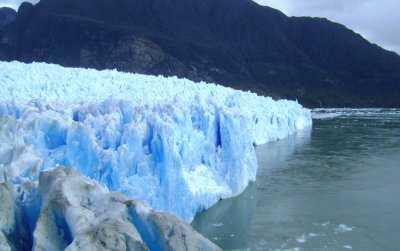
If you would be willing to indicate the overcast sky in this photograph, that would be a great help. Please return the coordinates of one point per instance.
(14, 3)
(376, 20)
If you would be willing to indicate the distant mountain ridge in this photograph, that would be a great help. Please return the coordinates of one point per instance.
(7, 16)
(237, 43)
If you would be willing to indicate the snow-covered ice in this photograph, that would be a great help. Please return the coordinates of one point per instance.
(177, 144)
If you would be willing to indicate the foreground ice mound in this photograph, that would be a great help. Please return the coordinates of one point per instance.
(181, 146)
(68, 211)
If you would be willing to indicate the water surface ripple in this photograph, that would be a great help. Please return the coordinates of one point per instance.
(333, 187)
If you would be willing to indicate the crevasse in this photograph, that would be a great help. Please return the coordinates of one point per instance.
(179, 145)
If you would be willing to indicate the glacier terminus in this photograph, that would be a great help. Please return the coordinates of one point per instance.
(180, 146)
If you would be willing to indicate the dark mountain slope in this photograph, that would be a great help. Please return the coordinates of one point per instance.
(234, 42)
(7, 16)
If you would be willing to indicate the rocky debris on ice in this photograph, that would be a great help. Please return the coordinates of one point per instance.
(77, 213)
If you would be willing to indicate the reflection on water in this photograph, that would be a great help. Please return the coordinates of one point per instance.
(333, 188)
(230, 222)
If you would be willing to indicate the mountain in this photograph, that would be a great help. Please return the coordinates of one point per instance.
(237, 43)
(7, 16)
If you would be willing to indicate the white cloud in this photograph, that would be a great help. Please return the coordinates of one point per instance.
(15, 3)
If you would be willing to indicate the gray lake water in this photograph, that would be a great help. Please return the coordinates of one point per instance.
(333, 187)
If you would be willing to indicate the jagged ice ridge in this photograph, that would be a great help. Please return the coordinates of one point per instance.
(177, 144)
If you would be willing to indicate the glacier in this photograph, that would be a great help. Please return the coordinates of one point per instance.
(179, 145)
(69, 211)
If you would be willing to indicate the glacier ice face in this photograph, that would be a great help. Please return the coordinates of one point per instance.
(181, 146)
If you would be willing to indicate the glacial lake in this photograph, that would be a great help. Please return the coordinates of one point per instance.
(335, 186)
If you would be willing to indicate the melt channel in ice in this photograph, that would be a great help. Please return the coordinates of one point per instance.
(179, 145)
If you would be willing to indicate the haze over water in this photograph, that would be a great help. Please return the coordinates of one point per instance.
(333, 187)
